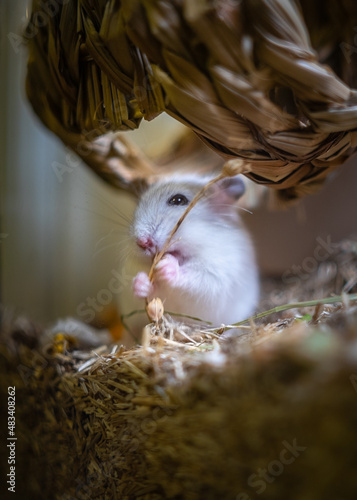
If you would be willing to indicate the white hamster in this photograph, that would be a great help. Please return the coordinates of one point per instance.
(209, 270)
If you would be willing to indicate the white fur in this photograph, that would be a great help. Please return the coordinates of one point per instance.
(215, 275)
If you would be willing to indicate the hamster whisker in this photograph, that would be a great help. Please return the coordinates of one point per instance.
(245, 210)
(111, 232)
(100, 250)
(235, 206)
(106, 217)
(113, 207)
(101, 247)
(123, 255)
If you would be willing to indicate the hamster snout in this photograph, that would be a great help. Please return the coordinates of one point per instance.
(209, 269)
(145, 243)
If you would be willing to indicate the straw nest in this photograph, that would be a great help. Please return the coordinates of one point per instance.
(272, 411)
(270, 82)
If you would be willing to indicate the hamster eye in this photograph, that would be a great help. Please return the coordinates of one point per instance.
(177, 199)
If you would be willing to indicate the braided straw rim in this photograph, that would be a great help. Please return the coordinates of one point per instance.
(242, 75)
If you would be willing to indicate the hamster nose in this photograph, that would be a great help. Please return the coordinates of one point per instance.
(145, 242)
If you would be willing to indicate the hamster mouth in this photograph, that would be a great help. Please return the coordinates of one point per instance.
(151, 252)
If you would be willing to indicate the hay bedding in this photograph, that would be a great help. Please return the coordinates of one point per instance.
(190, 421)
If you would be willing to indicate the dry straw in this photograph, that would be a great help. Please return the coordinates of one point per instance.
(271, 83)
(193, 419)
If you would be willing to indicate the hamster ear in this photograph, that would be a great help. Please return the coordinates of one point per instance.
(227, 191)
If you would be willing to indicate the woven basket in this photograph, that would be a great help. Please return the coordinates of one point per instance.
(267, 81)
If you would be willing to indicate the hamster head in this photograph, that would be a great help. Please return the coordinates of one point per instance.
(162, 205)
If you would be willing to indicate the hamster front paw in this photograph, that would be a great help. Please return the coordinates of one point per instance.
(142, 286)
(167, 269)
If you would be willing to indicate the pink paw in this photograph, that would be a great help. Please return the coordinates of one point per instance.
(167, 269)
(142, 286)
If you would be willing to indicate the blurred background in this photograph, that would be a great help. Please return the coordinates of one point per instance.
(62, 229)
(64, 233)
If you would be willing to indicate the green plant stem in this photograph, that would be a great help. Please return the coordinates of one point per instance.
(285, 307)
(298, 305)
(140, 311)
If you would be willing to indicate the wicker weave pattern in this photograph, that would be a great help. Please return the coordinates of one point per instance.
(241, 74)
